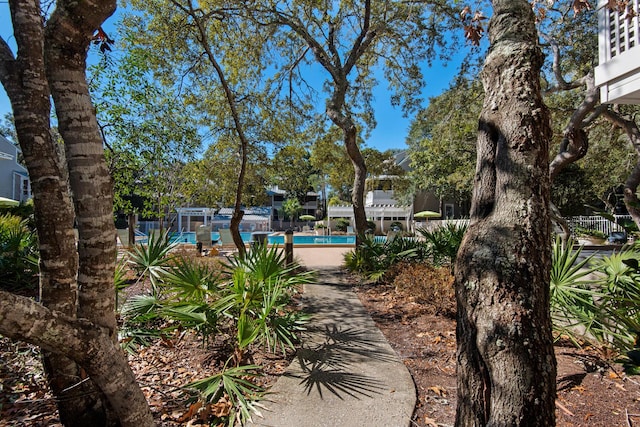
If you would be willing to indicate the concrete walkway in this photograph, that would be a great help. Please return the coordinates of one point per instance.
(346, 373)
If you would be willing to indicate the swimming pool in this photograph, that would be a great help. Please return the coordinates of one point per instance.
(190, 237)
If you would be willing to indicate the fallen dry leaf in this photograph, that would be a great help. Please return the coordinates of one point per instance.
(193, 410)
(440, 391)
(430, 422)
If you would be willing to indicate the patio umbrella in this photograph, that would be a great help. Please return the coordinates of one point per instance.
(307, 218)
(8, 203)
(427, 214)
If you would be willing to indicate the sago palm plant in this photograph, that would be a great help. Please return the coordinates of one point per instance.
(574, 311)
(150, 260)
(256, 297)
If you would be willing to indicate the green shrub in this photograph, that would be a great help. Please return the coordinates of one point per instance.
(605, 310)
(257, 298)
(342, 224)
(151, 259)
(586, 232)
(396, 225)
(373, 257)
(18, 254)
(574, 312)
(444, 242)
(248, 300)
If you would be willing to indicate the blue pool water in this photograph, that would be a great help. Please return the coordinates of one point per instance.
(274, 240)
(315, 240)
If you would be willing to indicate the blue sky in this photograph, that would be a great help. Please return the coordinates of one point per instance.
(392, 127)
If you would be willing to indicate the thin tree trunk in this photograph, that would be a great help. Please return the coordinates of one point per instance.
(351, 144)
(238, 213)
(506, 365)
(26, 84)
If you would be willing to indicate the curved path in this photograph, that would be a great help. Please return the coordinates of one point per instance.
(346, 373)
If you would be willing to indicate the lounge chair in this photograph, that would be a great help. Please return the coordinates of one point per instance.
(204, 241)
(226, 240)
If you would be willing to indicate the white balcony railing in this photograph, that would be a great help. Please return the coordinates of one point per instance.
(618, 72)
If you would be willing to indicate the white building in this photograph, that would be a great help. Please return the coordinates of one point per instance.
(14, 178)
(618, 72)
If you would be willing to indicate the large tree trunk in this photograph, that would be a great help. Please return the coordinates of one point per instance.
(26, 85)
(506, 365)
(67, 37)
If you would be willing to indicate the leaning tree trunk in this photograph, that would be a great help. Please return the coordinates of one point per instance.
(506, 365)
(238, 213)
(25, 81)
(349, 131)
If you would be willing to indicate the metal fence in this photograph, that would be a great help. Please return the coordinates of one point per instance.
(598, 223)
(587, 222)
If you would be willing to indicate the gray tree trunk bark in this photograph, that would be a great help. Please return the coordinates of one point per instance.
(506, 365)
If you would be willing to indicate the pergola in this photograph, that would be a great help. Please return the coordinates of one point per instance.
(205, 213)
(254, 218)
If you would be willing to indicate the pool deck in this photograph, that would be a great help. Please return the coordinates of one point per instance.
(320, 255)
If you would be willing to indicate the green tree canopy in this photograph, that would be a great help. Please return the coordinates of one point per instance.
(442, 141)
(148, 132)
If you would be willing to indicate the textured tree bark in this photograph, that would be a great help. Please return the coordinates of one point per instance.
(25, 81)
(68, 34)
(506, 365)
(91, 341)
(87, 343)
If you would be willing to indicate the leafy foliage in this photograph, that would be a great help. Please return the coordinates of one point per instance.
(291, 208)
(341, 224)
(573, 305)
(444, 242)
(234, 383)
(248, 298)
(18, 253)
(602, 310)
(373, 257)
(257, 297)
(150, 260)
(442, 141)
